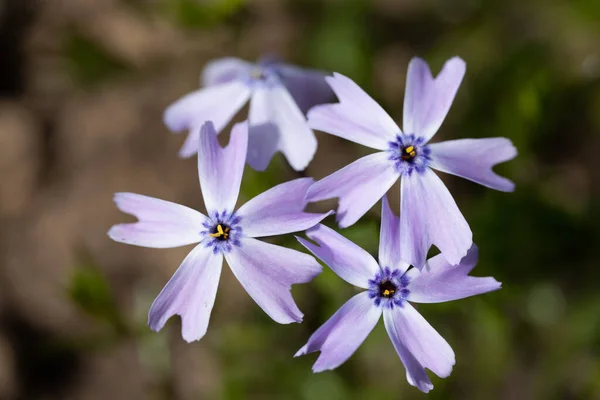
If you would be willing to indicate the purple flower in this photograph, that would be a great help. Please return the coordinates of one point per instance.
(279, 93)
(266, 271)
(430, 214)
(390, 286)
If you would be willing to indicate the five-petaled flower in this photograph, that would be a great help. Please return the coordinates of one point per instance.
(429, 213)
(390, 285)
(265, 270)
(280, 95)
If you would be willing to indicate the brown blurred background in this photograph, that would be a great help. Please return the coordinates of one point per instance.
(83, 84)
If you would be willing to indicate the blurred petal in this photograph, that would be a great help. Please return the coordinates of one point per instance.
(216, 103)
(357, 117)
(307, 86)
(339, 337)
(412, 336)
(277, 124)
(429, 215)
(473, 159)
(220, 169)
(427, 100)
(358, 185)
(389, 238)
(224, 70)
(279, 210)
(162, 224)
(190, 293)
(267, 272)
(346, 259)
(440, 281)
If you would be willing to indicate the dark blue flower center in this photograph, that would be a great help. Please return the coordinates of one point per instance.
(409, 153)
(223, 231)
(389, 288)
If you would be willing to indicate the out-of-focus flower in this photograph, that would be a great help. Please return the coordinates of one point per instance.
(266, 271)
(390, 285)
(279, 96)
(429, 213)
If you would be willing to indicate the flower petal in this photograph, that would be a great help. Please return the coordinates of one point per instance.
(220, 169)
(349, 261)
(358, 185)
(357, 117)
(427, 100)
(216, 103)
(277, 124)
(429, 215)
(389, 239)
(473, 159)
(307, 86)
(339, 337)
(441, 281)
(224, 70)
(161, 224)
(279, 210)
(418, 345)
(190, 293)
(267, 272)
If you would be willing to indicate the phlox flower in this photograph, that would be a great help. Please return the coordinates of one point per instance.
(390, 286)
(429, 213)
(265, 270)
(279, 96)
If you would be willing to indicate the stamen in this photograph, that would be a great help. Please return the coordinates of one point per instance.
(409, 153)
(220, 232)
(387, 288)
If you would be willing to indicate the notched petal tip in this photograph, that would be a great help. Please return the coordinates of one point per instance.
(302, 351)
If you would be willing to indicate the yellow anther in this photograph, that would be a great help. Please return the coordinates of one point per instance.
(387, 292)
(220, 232)
(410, 149)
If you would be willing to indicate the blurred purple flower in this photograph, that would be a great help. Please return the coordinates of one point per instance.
(280, 94)
(430, 214)
(390, 285)
(266, 271)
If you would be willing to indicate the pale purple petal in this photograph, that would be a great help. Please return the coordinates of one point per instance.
(427, 100)
(473, 159)
(277, 124)
(224, 70)
(389, 239)
(415, 373)
(429, 215)
(413, 336)
(216, 103)
(279, 210)
(358, 185)
(357, 117)
(267, 272)
(349, 261)
(190, 293)
(339, 337)
(220, 169)
(307, 86)
(161, 224)
(440, 281)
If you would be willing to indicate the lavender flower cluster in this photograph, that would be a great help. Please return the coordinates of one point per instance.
(280, 96)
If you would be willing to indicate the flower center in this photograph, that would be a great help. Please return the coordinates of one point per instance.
(387, 289)
(408, 153)
(221, 232)
(257, 73)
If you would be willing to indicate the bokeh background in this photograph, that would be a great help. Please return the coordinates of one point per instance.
(83, 84)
